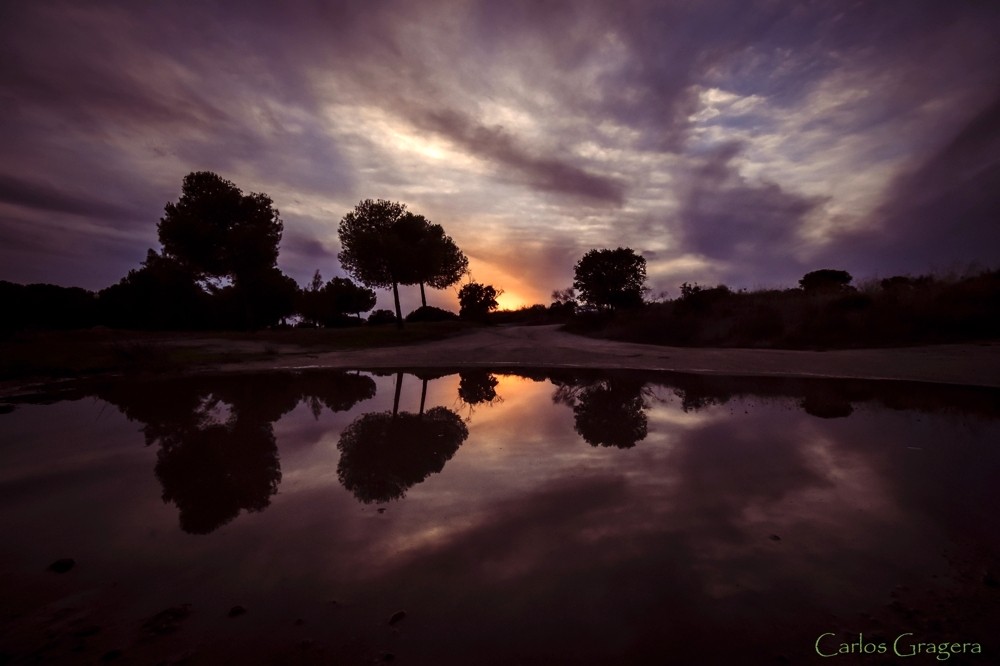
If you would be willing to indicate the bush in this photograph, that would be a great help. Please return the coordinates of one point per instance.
(695, 298)
(381, 317)
(430, 313)
(826, 279)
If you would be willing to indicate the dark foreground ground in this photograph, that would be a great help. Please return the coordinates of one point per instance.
(453, 345)
(548, 347)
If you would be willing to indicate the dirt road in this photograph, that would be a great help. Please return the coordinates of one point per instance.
(546, 346)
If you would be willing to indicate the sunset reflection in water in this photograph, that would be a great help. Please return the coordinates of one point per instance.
(539, 515)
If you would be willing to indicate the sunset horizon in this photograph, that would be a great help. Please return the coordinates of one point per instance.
(736, 143)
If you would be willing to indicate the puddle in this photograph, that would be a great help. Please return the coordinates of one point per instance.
(551, 516)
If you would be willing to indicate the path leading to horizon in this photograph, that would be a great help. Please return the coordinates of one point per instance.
(548, 347)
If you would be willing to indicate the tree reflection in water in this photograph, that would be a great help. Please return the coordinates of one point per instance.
(383, 454)
(607, 412)
(477, 387)
(213, 472)
(218, 453)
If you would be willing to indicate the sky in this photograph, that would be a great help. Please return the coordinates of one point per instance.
(727, 141)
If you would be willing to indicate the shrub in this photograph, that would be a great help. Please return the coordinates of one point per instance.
(381, 317)
(430, 313)
(826, 279)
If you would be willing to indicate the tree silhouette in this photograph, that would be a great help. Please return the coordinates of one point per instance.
(226, 242)
(309, 303)
(216, 231)
(326, 305)
(45, 306)
(611, 279)
(434, 258)
(385, 246)
(161, 295)
(477, 300)
(259, 299)
(372, 252)
(349, 298)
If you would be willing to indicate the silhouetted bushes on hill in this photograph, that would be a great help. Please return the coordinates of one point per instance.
(895, 311)
(45, 306)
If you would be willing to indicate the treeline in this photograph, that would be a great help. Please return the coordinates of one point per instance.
(825, 311)
(217, 269)
(159, 299)
(608, 298)
(46, 306)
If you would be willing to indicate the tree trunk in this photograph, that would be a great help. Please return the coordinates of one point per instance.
(395, 296)
(423, 299)
(423, 397)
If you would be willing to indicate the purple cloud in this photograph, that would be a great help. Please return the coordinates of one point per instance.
(583, 120)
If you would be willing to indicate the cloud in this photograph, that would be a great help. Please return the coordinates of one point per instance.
(302, 247)
(517, 121)
(548, 174)
(48, 251)
(43, 197)
(96, 66)
(543, 262)
(939, 214)
(726, 218)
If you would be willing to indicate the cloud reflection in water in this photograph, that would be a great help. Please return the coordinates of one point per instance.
(766, 511)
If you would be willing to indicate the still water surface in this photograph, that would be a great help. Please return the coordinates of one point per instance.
(488, 518)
